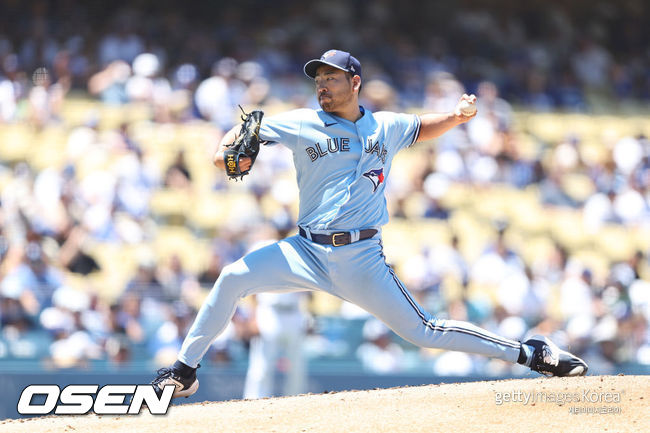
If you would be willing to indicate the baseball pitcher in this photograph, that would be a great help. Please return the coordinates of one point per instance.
(342, 154)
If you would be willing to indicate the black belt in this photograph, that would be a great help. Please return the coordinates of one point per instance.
(337, 239)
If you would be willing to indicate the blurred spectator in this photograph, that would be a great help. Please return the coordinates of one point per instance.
(631, 207)
(251, 74)
(21, 338)
(137, 177)
(378, 95)
(592, 64)
(281, 323)
(72, 254)
(576, 292)
(173, 277)
(491, 105)
(46, 98)
(118, 349)
(212, 271)
(145, 283)
(35, 276)
(442, 92)
(537, 94)
(12, 313)
(168, 338)
(217, 97)
(449, 261)
(123, 44)
(552, 192)
(378, 353)
(125, 318)
(72, 343)
(10, 89)
(498, 262)
(599, 210)
(184, 84)
(110, 83)
(97, 191)
(178, 174)
(149, 86)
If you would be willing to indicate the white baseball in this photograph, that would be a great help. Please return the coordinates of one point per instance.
(467, 108)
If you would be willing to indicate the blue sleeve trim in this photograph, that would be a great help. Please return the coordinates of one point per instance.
(417, 130)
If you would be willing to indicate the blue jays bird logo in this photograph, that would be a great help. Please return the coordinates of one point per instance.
(376, 177)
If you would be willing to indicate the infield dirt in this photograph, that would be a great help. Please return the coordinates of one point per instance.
(602, 403)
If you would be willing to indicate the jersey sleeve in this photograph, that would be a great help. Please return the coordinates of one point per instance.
(402, 129)
(282, 128)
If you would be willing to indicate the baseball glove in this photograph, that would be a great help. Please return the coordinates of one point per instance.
(247, 144)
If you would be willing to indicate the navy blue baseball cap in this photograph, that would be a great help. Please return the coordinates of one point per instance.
(339, 59)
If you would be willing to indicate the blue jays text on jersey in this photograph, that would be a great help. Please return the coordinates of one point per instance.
(376, 148)
(335, 144)
(338, 163)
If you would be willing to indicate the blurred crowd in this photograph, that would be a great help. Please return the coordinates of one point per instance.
(574, 55)
(195, 69)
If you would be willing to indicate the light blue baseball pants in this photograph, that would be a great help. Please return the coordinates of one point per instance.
(357, 273)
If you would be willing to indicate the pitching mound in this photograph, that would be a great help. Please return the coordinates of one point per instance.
(584, 404)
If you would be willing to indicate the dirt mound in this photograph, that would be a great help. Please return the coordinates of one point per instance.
(584, 404)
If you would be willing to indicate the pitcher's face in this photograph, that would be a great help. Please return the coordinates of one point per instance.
(334, 88)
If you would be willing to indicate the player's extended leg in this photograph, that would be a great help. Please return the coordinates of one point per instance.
(283, 266)
(362, 277)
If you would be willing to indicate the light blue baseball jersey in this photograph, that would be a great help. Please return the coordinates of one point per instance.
(341, 166)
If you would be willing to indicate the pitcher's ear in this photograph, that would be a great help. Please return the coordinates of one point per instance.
(356, 82)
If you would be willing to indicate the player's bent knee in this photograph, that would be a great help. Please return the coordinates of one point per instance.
(232, 279)
(230, 274)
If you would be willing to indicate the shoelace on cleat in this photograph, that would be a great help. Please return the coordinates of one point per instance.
(548, 358)
(545, 360)
(163, 373)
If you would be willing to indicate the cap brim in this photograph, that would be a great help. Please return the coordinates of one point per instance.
(312, 66)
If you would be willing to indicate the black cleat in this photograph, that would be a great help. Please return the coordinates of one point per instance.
(184, 386)
(550, 360)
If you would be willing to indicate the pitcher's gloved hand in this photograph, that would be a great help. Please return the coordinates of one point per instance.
(246, 145)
